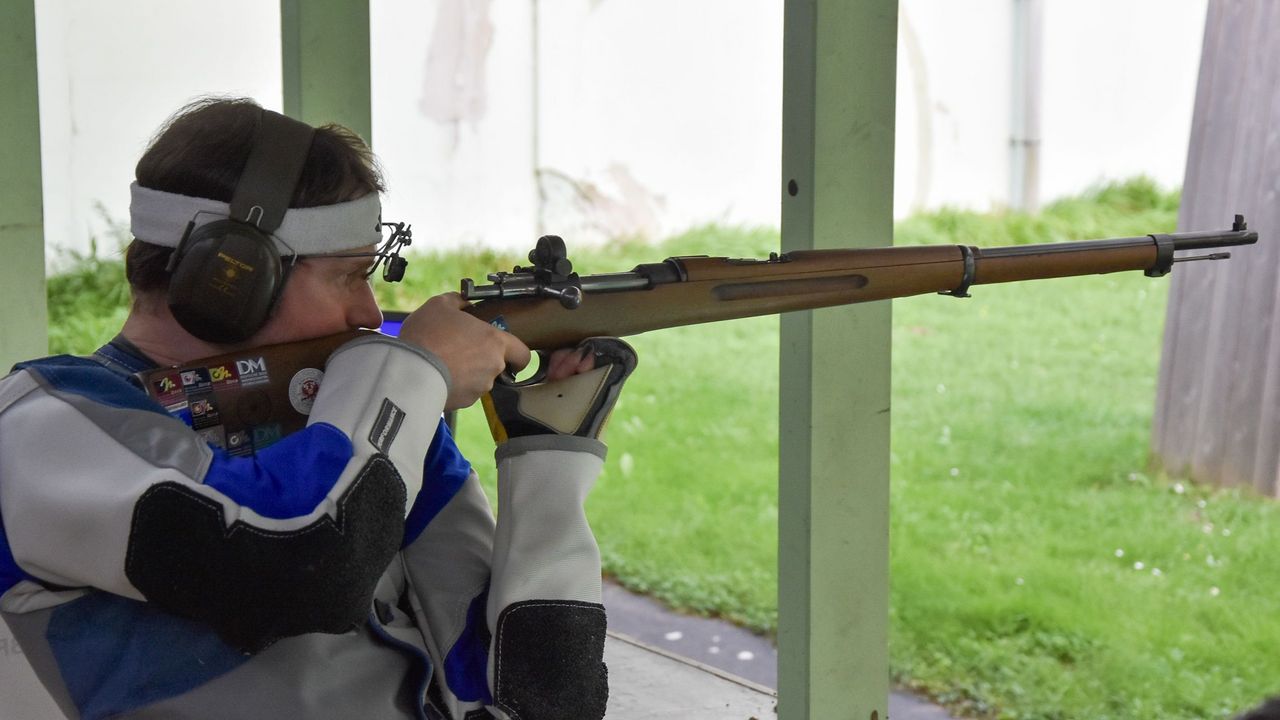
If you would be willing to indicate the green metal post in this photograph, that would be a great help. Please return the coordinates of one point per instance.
(833, 524)
(23, 306)
(325, 49)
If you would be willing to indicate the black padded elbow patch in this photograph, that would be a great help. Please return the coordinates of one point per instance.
(256, 586)
(549, 662)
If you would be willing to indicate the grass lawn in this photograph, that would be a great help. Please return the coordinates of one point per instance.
(1038, 570)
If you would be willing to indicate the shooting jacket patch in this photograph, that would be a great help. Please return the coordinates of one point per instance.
(255, 586)
(549, 660)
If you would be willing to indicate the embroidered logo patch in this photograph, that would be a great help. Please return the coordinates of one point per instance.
(385, 428)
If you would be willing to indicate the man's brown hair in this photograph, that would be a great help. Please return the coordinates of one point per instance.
(201, 152)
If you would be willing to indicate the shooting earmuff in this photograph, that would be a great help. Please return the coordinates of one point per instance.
(227, 274)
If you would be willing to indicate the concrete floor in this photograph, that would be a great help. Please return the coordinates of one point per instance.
(646, 683)
(700, 658)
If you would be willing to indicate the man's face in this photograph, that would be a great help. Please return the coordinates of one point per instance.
(322, 296)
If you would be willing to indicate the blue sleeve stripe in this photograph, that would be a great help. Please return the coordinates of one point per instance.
(444, 472)
(89, 379)
(288, 479)
(466, 665)
(117, 655)
(10, 573)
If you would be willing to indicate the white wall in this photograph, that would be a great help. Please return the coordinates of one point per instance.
(669, 112)
(110, 73)
(452, 112)
(650, 116)
(1120, 81)
(952, 139)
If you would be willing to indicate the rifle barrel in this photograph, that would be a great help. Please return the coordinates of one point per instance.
(697, 289)
(1154, 254)
(1181, 241)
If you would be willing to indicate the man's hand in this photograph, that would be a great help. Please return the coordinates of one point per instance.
(474, 351)
(574, 395)
(569, 361)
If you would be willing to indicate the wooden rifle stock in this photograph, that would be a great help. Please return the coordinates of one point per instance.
(548, 306)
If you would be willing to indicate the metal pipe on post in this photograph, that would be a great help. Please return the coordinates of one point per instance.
(535, 104)
(1024, 136)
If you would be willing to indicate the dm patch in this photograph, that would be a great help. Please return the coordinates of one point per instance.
(264, 435)
(252, 371)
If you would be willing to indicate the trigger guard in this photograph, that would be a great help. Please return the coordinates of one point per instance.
(508, 378)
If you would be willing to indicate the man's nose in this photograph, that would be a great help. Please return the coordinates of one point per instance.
(363, 311)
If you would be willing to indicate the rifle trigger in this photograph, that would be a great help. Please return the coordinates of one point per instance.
(970, 273)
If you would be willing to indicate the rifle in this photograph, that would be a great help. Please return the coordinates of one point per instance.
(246, 400)
(548, 306)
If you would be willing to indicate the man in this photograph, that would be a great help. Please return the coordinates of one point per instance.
(351, 569)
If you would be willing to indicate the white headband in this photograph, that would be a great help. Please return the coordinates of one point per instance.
(160, 218)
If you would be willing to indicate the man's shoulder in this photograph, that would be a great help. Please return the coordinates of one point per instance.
(80, 376)
(56, 362)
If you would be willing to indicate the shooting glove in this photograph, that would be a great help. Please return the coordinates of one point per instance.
(577, 405)
(544, 603)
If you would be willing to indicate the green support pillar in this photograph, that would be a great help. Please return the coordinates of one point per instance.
(23, 306)
(833, 524)
(325, 47)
